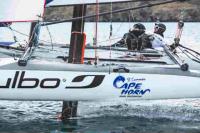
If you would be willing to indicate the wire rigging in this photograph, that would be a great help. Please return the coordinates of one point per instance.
(50, 36)
(82, 19)
(110, 36)
(96, 31)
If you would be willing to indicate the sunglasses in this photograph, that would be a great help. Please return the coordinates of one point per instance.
(158, 27)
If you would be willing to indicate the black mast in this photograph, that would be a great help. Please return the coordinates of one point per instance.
(76, 50)
(76, 55)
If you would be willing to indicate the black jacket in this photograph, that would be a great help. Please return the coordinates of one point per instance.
(134, 42)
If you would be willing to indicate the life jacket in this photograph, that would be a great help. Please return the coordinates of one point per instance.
(138, 43)
(145, 41)
(131, 41)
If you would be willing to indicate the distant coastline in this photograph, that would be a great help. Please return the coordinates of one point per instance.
(188, 11)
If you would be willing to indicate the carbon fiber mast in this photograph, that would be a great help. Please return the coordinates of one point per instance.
(76, 55)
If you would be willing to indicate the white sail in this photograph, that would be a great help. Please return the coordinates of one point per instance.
(74, 2)
(21, 10)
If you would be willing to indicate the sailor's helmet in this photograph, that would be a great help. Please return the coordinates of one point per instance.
(159, 27)
(139, 26)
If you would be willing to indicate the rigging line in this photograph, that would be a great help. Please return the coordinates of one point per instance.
(188, 54)
(192, 54)
(110, 36)
(115, 11)
(189, 49)
(179, 30)
(173, 56)
(30, 48)
(131, 13)
(50, 36)
(184, 52)
(21, 33)
(107, 40)
(9, 27)
(83, 8)
(33, 33)
(118, 28)
(129, 17)
(96, 30)
(14, 36)
(14, 30)
(111, 16)
(31, 44)
(48, 49)
(28, 35)
(180, 23)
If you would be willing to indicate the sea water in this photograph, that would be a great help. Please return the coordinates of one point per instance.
(156, 116)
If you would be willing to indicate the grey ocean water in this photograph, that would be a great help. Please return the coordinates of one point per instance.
(157, 116)
(160, 116)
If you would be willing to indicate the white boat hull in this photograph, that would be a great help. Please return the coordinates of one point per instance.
(70, 85)
(53, 78)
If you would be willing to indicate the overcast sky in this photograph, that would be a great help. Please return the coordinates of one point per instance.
(21, 10)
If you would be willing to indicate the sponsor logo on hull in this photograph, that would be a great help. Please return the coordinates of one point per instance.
(130, 87)
(22, 81)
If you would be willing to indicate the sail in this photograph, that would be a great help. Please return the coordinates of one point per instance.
(48, 1)
(21, 10)
(76, 2)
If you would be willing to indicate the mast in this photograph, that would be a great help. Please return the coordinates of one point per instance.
(76, 55)
(76, 50)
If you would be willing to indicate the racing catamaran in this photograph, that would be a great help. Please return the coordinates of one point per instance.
(157, 75)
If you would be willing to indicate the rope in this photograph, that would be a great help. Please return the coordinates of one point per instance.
(83, 8)
(180, 24)
(10, 28)
(14, 36)
(50, 36)
(96, 31)
(188, 54)
(21, 33)
(110, 36)
(179, 29)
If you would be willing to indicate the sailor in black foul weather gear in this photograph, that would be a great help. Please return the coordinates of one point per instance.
(132, 40)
